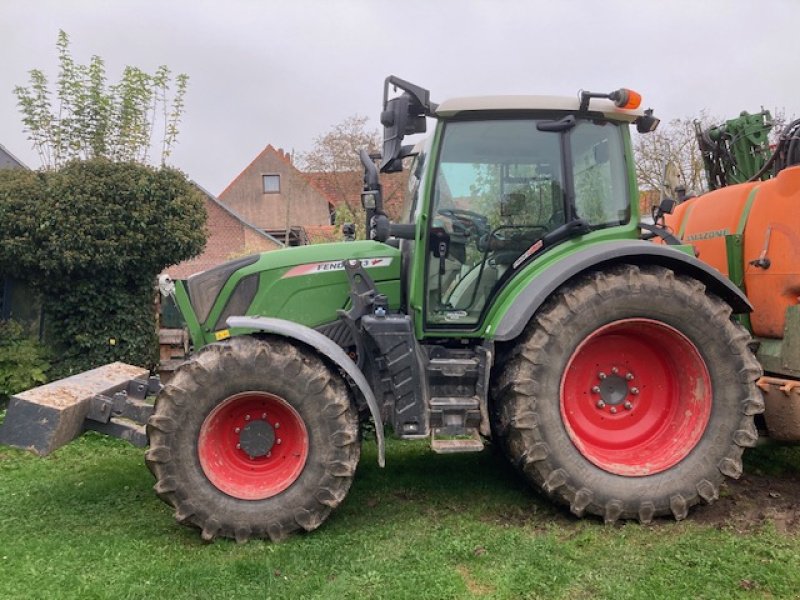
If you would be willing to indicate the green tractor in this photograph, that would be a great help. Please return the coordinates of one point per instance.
(516, 302)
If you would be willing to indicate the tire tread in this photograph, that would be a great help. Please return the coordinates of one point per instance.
(176, 488)
(517, 390)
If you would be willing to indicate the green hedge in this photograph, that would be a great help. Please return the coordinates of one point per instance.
(23, 362)
(92, 237)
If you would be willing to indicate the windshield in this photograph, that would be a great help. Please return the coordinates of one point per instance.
(500, 187)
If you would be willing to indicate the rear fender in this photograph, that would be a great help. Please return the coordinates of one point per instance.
(330, 350)
(601, 256)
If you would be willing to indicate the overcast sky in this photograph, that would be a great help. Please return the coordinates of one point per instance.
(281, 73)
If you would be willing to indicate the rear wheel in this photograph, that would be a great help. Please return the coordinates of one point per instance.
(630, 395)
(254, 437)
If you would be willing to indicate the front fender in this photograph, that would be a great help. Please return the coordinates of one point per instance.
(598, 256)
(330, 350)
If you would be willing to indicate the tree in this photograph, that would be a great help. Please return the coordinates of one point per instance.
(335, 154)
(358, 218)
(85, 118)
(91, 237)
(335, 157)
(92, 230)
(674, 141)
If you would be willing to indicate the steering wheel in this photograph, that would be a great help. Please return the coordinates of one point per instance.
(468, 221)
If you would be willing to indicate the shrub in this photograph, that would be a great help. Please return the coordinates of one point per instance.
(22, 361)
(91, 238)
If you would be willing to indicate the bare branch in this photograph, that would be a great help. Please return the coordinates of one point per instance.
(674, 142)
(335, 154)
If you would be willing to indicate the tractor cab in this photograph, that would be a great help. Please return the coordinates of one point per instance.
(500, 181)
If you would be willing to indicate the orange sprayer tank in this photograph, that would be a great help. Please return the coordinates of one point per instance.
(767, 215)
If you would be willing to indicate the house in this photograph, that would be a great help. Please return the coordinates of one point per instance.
(9, 161)
(285, 202)
(275, 197)
(229, 236)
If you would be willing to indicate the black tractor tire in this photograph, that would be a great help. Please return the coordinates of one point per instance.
(251, 369)
(543, 409)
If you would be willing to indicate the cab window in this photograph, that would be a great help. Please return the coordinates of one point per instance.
(601, 192)
(498, 189)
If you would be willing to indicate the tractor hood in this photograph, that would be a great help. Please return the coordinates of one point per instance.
(305, 284)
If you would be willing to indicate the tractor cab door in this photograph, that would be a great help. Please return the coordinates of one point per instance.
(500, 186)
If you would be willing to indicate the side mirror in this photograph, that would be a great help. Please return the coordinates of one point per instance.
(665, 207)
(402, 116)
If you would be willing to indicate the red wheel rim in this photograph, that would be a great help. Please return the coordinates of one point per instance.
(636, 397)
(253, 445)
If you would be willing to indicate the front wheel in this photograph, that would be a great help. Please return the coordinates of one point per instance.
(254, 437)
(630, 395)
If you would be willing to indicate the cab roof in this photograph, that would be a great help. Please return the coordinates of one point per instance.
(456, 106)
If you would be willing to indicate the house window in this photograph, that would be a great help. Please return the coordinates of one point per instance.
(272, 184)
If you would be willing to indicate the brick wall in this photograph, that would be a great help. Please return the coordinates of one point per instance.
(228, 237)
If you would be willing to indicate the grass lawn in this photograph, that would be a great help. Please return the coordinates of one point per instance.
(84, 523)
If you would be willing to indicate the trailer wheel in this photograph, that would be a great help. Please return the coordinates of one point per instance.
(630, 395)
(253, 438)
